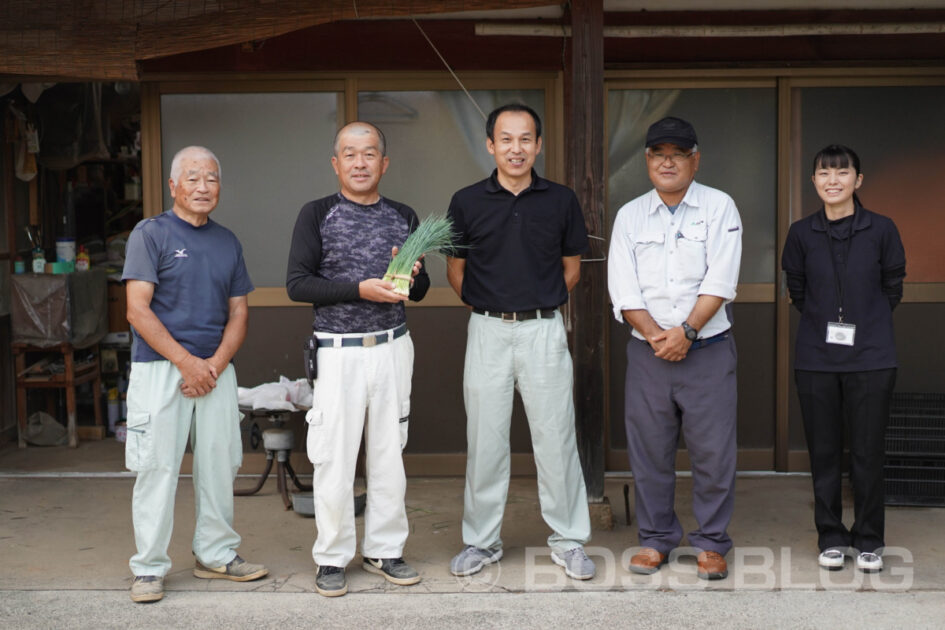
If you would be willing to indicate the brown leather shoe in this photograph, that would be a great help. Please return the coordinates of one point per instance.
(647, 561)
(712, 566)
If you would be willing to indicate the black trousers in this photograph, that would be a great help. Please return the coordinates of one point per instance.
(859, 401)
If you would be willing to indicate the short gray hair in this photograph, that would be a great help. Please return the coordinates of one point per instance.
(361, 127)
(193, 151)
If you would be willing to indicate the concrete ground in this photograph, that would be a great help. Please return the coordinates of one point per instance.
(65, 539)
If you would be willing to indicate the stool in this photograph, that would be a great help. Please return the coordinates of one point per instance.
(31, 378)
(278, 443)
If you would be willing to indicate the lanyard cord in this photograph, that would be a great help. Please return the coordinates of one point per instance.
(838, 280)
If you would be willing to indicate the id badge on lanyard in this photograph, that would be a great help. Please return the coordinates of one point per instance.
(838, 332)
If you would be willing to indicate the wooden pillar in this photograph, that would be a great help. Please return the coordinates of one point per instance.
(584, 124)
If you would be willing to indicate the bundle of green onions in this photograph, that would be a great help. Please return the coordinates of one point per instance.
(434, 234)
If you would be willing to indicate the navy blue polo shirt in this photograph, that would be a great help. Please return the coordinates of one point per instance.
(513, 244)
(195, 271)
(872, 264)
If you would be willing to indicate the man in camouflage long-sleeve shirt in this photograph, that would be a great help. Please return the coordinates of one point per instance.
(340, 250)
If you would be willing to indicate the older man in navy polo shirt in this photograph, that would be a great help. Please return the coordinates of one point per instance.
(521, 241)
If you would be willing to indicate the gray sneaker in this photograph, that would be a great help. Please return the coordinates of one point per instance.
(394, 570)
(471, 560)
(330, 581)
(237, 570)
(576, 563)
(147, 588)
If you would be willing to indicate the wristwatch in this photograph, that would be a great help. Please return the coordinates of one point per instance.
(691, 333)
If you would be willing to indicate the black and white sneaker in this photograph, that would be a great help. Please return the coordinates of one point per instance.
(831, 559)
(869, 562)
(330, 581)
(394, 570)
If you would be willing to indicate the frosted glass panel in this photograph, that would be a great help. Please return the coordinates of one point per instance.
(737, 130)
(437, 144)
(275, 152)
(898, 134)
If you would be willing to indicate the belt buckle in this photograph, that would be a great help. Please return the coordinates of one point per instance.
(369, 341)
(509, 317)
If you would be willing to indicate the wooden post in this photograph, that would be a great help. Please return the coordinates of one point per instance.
(584, 103)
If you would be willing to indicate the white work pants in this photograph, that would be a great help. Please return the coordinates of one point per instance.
(352, 380)
(532, 356)
(160, 419)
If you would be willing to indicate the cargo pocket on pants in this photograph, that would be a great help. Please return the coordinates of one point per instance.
(404, 423)
(317, 441)
(139, 444)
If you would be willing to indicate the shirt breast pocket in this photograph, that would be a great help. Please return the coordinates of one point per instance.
(648, 251)
(691, 245)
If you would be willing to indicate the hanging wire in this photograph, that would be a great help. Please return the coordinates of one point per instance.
(468, 95)
(602, 259)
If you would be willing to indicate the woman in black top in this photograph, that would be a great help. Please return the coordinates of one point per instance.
(845, 267)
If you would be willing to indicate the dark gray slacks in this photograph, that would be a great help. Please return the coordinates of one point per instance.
(858, 401)
(698, 396)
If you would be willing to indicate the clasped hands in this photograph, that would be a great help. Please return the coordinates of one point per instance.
(670, 344)
(200, 376)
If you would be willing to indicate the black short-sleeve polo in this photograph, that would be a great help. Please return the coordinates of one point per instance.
(513, 244)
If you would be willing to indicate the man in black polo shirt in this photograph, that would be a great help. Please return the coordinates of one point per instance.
(521, 239)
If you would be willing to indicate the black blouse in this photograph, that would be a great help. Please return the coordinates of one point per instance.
(869, 259)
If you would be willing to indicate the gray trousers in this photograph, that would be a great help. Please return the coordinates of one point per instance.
(697, 395)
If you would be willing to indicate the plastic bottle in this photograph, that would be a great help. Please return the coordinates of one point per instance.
(82, 260)
(65, 243)
(19, 266)
(39, 260)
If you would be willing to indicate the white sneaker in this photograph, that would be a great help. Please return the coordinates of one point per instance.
(831, 559)
(869, 562)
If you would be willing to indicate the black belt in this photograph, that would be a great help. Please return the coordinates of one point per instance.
(538, 313)
(368, 340)
(700, 343)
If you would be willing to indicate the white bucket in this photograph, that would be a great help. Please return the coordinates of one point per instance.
(65, 249)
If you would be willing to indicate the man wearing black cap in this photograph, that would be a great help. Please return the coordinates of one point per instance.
(673, 264)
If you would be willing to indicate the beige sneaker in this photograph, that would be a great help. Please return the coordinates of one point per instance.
(147, 588)
(237, 570)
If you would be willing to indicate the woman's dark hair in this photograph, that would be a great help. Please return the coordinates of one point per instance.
(838, 156)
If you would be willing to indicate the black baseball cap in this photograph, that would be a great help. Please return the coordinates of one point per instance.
(671, 130)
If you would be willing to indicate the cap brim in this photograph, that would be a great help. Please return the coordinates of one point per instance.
(685, 143)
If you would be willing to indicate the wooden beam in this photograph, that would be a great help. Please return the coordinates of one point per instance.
(584, 98)
(9, 199)
(152, 178)
(647, 31)
(782, 370)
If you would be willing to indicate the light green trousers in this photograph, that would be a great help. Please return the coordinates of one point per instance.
(160, 420)
(533, 357)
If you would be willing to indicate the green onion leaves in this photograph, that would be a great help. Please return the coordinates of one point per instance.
(434, 234)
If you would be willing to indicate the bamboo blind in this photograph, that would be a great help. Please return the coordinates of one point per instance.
(103, 39)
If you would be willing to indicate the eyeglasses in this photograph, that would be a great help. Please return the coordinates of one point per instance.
(675, 157)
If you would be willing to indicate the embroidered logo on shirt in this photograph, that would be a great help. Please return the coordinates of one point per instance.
(734, 229)
(181, 253)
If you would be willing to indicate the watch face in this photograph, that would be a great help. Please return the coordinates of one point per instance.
(691, 334)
